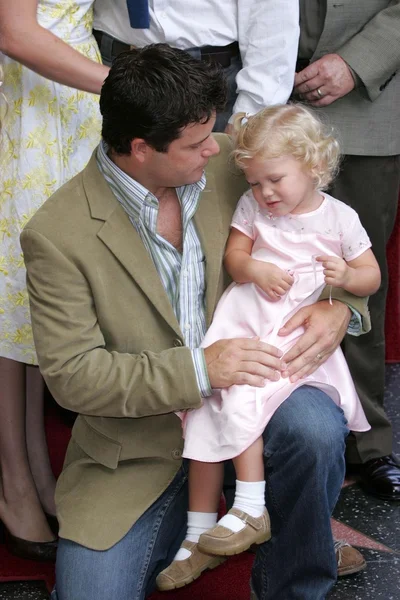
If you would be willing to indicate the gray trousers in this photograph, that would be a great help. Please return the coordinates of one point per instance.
(370, 184)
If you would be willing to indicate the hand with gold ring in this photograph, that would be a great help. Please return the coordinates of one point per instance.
(324, 80)
(324, 326)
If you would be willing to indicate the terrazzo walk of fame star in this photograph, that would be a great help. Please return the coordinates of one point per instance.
(354, 537)
(370, 524)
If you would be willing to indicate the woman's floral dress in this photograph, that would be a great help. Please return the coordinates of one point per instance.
(48, 134)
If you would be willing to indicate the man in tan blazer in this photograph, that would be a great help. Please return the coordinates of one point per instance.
(354, 81)
(124, 272)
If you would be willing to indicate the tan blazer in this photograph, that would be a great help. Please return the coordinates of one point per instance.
(366, 34)
(111, 349)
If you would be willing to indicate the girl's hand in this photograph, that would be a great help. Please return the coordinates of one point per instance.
(337, 272)
(272, 280)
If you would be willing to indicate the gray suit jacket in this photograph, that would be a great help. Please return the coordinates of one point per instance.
(366, 34)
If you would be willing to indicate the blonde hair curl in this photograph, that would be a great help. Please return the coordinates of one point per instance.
(288, 129)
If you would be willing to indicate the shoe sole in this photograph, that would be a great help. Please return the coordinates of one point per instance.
(352, 570)
(386, 497)
(192, 577)
(237, 549)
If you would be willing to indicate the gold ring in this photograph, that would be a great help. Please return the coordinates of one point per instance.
(320, 94)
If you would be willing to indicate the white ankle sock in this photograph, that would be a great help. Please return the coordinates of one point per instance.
(250, 498)
(198, 523)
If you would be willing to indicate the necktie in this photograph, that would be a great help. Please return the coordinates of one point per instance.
(138, 11)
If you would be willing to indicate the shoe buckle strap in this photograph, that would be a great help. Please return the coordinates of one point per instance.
(246, 518)
(188, 545)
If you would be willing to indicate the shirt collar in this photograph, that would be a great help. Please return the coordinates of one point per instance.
(132, 190)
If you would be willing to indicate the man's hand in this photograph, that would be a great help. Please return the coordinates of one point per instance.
(272, 280)
(242, 361)
(337, 272)
(324, 81)
(325, 325)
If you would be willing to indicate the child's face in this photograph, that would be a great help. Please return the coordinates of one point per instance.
(282, 185)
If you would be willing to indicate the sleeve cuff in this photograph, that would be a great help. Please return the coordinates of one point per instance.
(355, 325)
(356, 78)
(200, 368)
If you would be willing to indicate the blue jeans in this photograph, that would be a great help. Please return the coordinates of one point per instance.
(128, 570)
(304, 467)
(304, 461)
(229, 72)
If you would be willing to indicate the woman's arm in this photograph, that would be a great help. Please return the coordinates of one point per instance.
(23, 39)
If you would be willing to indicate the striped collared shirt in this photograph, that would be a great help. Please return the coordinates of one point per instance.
(182, 275)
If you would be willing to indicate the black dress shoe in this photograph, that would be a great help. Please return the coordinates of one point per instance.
(41, 551)
(381, 477)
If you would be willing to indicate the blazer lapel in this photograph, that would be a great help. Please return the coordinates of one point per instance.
(122, 239)
(120, 236)
(209, 226)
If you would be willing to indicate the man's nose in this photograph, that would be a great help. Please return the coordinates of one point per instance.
(212, 148)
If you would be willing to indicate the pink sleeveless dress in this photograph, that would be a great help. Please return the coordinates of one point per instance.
(232, 419)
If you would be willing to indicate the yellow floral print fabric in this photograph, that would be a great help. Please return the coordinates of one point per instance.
(48, 134)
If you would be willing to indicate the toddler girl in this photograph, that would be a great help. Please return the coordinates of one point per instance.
(288, 240)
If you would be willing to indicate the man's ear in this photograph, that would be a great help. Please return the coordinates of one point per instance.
(140, 150)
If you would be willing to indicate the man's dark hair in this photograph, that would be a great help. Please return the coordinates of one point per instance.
(156, 91)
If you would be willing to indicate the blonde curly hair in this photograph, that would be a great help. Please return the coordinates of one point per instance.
(288, 129)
